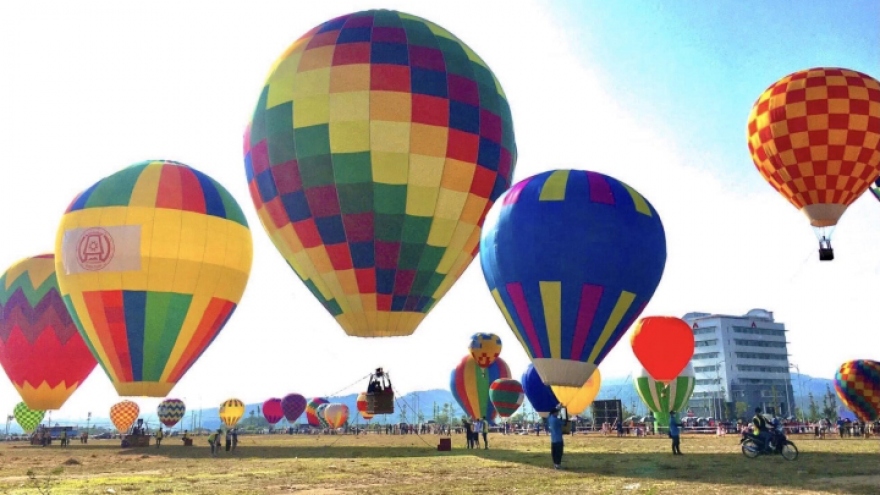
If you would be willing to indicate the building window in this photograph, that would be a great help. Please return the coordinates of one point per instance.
(705, 355)
(761, 369)
(703, 369)
(762, 381)
(759, 331)
(704, 331)
(706, 343)
(760, 355)
(759, 343)
(707, 381)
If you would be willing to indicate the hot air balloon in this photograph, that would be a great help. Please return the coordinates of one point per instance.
(312, 411)
(231, 412)
(506, 395)
(336, 415)
(27, 418)
(40, 347)
(123, 414)
(152, 262)
(577, 399)
(858, 385)
(470, 386)
(378, 143)
(661, 398)
(171, 411)
(319, 413)
(571, 258)
(485, 348)
(875, 189)
(815, 137)
(293, 406)
(540, 396)
(362, 406)
(664, 345)
(272, 410)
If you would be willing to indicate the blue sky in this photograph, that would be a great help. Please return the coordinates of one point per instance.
(653, 93)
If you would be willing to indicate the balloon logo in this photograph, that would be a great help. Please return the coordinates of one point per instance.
(571, 258)
(814, 135)
(123, 414)
(293, 406)
(540, 396)
(378, 143)
(231, 412)
(27, 418)
(577, 399)
(506, 395)
(470, 386)
(40, 347)
(664, 345)
(858, 385)
(171, 411)
(362, 406)
(336, 415)
(152, 262)
(662, 399)
(272, 411)
(485, 348)
(312, 411)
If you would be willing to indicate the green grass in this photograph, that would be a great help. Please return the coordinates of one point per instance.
(409, 464)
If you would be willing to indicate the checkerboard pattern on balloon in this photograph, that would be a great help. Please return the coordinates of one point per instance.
(815, 135)
(858, 385)
(378, 144)
(123, 415)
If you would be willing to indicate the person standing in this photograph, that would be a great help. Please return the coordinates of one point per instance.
(214, 442)
(234, 438)
(554, 424)
(468, 433)
(674, 433)
(159, 436)
(478, 428)
(228, 439)
(485, 427)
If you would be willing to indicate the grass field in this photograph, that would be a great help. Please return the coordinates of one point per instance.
(382, 464)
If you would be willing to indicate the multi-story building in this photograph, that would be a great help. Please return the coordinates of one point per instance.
(741, 362)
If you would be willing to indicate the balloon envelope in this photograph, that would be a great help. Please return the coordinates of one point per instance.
(361, 404)
(506, 395)
(485, 348)
(27, 418)
(319, 413)
(152, 262)
(272, 410)
(171, 411)
(40, 348)
(312, 411)
(540, 396)
(661, 398)
(858, 385)
(572, 258)
(123, 414)
(336, 415)
(231, 412)
(813, 136)
(664, 345)
(293, 406)
(470, 386)
(577, 399)
(378, 143)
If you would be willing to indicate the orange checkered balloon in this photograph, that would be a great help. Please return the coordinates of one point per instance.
(123, 414)
(815, 137)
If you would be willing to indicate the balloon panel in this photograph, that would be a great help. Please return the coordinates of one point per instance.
(540, 396)
(577, 399)
(378, 143)
(27, 418)
(470, 386)
(362, 406)
(151, 263)
(123, 414)
(231, 412)
(272, 411)
(336, 415)
(293, 406)
(662, 399)
(663, 345)
(312, 411)
(41, 350)
(858, 385)
(171, 411)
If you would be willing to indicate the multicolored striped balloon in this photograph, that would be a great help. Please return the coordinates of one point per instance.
(27, 418)
(506, 395)
(485, 348)
(336, 415)
(858, 385)
(663, 399)
(319, 413)
(231, 412)
(312, 411)
(272, 410)
(469, 384)
(151, 262)
(362, 406)
(171, 411)
(123, 414)
(572, 258)
(577, 399)
(293, 406)
(41, 350)
(378, 143)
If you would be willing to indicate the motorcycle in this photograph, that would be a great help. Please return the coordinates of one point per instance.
(778, 444)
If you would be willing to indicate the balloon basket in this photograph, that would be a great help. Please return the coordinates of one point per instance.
(380, 403)
(136, 441)
(826, 254)
(445, 445)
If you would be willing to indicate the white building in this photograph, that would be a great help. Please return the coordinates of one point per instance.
(740, 360)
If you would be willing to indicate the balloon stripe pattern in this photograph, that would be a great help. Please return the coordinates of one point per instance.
(27, 418)
(378, 144)
(336, 415)
(123, 414)
(506, 395)
(663, 399)
(572, 258)
(814, 135)
(857, 383)
(470, 386)
(231, 412)
(272, 411)
(152, 262)
(319, 413)
(361, 404)
(293, 406)
(312, 411)
(171, 411)
(41, 349)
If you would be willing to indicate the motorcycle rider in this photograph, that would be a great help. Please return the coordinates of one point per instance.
(759, 424)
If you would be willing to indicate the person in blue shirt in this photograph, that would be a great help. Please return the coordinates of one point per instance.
(554, 424)
(674, 432)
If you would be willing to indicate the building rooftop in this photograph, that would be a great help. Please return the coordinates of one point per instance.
(754, 314)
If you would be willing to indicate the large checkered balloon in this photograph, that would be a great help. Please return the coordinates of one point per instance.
(378, 144)
(815, 137)
(858, 385)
